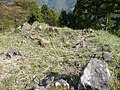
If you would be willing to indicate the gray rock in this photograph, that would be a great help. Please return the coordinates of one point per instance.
(26, 26)
(61, 83)
(107, 56)
(48, 80)
(36, 87)
(13, 53)
(89, 30)
(35, 24)
(39, 27)
(58, 85)
(43, 42)
(53, 29)
(95, 76)
(12, 29)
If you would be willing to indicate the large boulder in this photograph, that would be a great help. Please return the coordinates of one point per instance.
(95, 76)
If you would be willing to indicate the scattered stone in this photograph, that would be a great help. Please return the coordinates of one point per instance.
(19, 28)
(13, 53)
(26, 26)
(72, 88)
(62, 83)
(89, 30)
(53, 29)
(12, 29)
(92, 48)
(35, 24)
(42, 42)
(39, 27)
(49, 83)
(107, 56)
(80, 44)
(58, 85)
(95, 76)
(48, 80)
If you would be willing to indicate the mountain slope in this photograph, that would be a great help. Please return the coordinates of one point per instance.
(58, 5)
(39, 50)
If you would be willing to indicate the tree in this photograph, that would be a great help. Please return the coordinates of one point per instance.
(63, 19)
(92, 13)
(49, 15)
(35, 13)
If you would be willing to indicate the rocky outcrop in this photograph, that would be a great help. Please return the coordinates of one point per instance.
(49, 83)
(95, 76)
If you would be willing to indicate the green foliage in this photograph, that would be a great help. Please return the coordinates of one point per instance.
(49, 15)
(63, 18)
(67, 19)
(93, 14)
(35, 13)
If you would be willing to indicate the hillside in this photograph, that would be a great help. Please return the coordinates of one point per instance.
(38, 50)
(58, 5)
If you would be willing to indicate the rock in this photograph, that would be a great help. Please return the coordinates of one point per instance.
(39, 27)
(36, 87)
(12, 29)
(59, 85)
(72, 88)
(35, 24)
(26, 26)
(42, 42)
(13, 53)
(95, 75)
(53, 29)
(82, 43)
(48, 80)
(89, 30)
(107, 56)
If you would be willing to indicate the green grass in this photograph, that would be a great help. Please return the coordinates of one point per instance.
(57, 57)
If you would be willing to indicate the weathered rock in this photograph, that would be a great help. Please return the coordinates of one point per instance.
(35, 24)
(59, 85)
(53, 29)
(89, 30)
(39, 27)
(96, 75)
(42, 42)
(80, 44)
(36, 87)
(48, 80)
(13, 53)
(12, 29)
(72, 88)
(26, 26)
(107, 56)
(49, 83)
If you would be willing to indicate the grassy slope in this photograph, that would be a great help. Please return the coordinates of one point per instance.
(58, 57)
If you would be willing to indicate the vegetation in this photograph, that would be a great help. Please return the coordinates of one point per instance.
(95, 14)
(58, 56)
(58, 5)
(22, 11)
